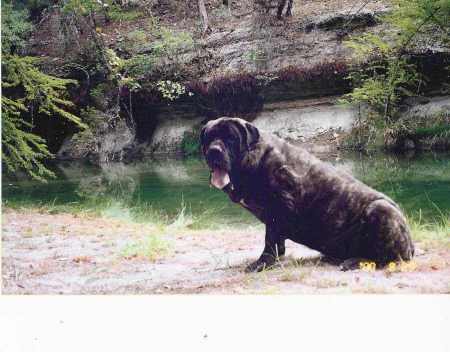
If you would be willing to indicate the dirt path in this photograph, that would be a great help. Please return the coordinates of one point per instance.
(67, 254)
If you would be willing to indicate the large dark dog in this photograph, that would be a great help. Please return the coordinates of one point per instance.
(301, 198)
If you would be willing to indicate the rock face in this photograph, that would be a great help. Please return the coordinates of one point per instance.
(300, 121)
(303, 120)
(316, 124)
(105, 143)
(168, 135)
(297, 98)
(254, 46)
(428, 107)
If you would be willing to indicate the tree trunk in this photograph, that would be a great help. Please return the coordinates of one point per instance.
(203, 13)
(227, 3)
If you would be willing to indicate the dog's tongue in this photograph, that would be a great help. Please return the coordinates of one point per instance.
(219, 178)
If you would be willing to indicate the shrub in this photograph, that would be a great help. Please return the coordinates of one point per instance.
(135, 41)
(28, 91)
(422, 132)
(163, 53)
(15, 28)
(385, 74)
(116, 13)
(190, 144)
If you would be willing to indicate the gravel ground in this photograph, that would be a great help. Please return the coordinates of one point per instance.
(46, 253)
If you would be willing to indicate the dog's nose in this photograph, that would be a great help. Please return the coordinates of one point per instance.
(214, 153)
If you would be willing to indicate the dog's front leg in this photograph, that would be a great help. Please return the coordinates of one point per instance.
(273, 248)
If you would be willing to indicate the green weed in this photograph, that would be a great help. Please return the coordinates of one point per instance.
(152, 248)
(117, 14)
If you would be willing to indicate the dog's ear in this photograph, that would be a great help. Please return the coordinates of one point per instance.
(252, 134)
(248, 134)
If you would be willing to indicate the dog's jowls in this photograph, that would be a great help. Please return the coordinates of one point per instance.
(301, 198)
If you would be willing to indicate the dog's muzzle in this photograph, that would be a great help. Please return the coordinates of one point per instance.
(215, 157)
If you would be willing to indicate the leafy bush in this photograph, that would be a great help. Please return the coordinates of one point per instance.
(190, 144)
(384, 74)
(83, 7)
(15, 28)
(135, 41)
(170, 90)
(116, 13)
(21, 150)
(28, 91)
(383, 84)
(165, 49)
(423, 132)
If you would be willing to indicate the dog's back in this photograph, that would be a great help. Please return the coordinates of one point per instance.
(331, 211)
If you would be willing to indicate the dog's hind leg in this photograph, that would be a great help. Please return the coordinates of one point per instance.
(389, 236)
(353, 264)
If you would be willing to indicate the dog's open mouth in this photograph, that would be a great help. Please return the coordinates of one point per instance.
(219, 178)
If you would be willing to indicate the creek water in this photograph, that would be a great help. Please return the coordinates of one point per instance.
(178, 189)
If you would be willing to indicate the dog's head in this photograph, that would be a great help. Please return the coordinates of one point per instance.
(224, 142)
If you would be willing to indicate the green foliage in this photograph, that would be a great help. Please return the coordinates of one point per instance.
(255, 55)
(383, 76)
(37, 5)
(116, 13)
(190, 144)
(426, 132)
(118, 74)
(171, 42)
(135, 41)
(82, 7)
(21, 150)
(28, 91)
(168, 45)
(152, 247)
(36, 90)
(413, 18)
(170, 90)
(162, 56)
(15, 28)
(383, 84)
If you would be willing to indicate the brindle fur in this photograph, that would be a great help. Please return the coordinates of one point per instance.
(301, 198)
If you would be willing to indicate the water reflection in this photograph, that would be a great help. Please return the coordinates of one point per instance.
(166, 187)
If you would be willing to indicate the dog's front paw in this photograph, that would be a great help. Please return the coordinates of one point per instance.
(255, 267)
(258, 266)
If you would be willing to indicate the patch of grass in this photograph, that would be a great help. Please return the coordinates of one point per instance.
(132, 212)
(431, 233)
(184, 219)
(152, 247)
(291, 275)
(117, 14)
(135, 41)
(190, 144)
(425, 132)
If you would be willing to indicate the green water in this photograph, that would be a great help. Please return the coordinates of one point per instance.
(162, 189)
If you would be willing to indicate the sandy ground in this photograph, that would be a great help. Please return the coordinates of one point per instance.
(68, 254)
